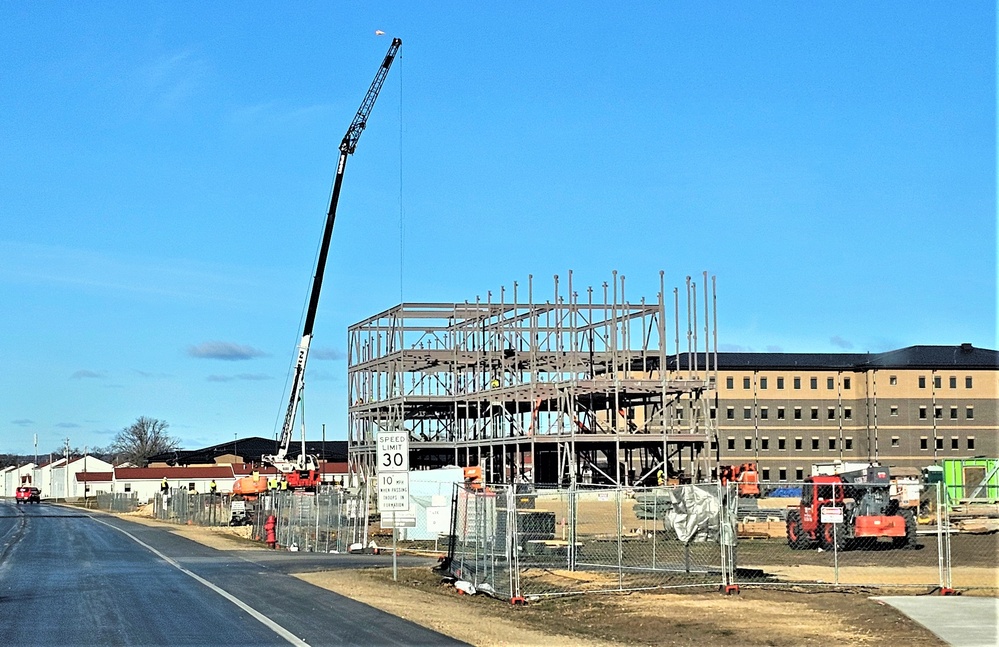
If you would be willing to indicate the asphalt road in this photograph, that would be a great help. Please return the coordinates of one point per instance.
(69, 577)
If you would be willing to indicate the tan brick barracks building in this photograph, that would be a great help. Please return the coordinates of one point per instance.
(905, 408)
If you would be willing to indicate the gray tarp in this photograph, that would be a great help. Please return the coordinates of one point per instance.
(692, 513)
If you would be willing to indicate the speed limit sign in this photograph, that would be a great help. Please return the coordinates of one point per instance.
(393, 471)
(393, 452)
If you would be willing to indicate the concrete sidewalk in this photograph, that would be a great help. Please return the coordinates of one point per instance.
(958, 620)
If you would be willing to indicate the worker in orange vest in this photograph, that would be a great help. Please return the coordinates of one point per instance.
(749, 481)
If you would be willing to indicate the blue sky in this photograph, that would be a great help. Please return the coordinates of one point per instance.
(166, 169)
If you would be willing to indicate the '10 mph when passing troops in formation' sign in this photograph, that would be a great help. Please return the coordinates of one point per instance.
(393, 471)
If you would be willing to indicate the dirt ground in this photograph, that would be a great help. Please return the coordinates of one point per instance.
(792, 616)
(754, 617)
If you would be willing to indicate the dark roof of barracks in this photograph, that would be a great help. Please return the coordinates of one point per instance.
(963, 356)
(251, 449)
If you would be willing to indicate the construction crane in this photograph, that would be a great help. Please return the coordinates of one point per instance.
(303, 472)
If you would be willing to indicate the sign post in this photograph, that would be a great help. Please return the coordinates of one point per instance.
(393, 481)
(834, 516)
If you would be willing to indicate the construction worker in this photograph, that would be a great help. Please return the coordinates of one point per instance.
(272, 483)
(661, 478)
(213, 487)
(284, 483)
(164, 486)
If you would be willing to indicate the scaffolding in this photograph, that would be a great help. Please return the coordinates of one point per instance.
(570, 389)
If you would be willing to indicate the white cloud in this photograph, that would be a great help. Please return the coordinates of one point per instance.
(29, 263)
(246, 377)
(334, 354)
(170, 80)
(84, 374)
(224, 350)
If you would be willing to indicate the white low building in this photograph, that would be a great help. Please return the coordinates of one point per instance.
(13, 477)
(60, 479)
(145, 482)
(89, 476)
(65, 480)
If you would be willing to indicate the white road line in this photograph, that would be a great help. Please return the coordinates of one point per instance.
(261, 618)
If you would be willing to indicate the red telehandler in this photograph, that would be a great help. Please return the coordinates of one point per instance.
(863, 499)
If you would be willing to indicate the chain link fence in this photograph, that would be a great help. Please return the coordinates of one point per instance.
(514, 541)
(839, 534)
(971, 545)
(562, 541)
(331, 521)
(483, 539)
(117, 501)
(183, 506)
(833, 534)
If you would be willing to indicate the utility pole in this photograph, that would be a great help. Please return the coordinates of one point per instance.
(65, 468)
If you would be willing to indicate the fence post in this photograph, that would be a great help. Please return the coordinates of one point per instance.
(728, 510)
(458, 523)
(340, 499)
(513, 534)
(655, 519)
(620, 540)
(722, 503)
(940, 535)
(947, 564)
(452, 539)
(572, 520)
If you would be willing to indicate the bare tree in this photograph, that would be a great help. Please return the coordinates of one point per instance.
(143, 438)
(62, 452)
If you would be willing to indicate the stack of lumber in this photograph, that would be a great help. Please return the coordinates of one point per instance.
(762, 528)
(978, 526)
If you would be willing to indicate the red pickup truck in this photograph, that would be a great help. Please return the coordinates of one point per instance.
(27, 494)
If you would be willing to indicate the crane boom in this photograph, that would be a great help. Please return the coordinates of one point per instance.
(306, 462)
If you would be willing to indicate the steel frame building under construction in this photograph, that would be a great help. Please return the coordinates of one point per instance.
(565, 389)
